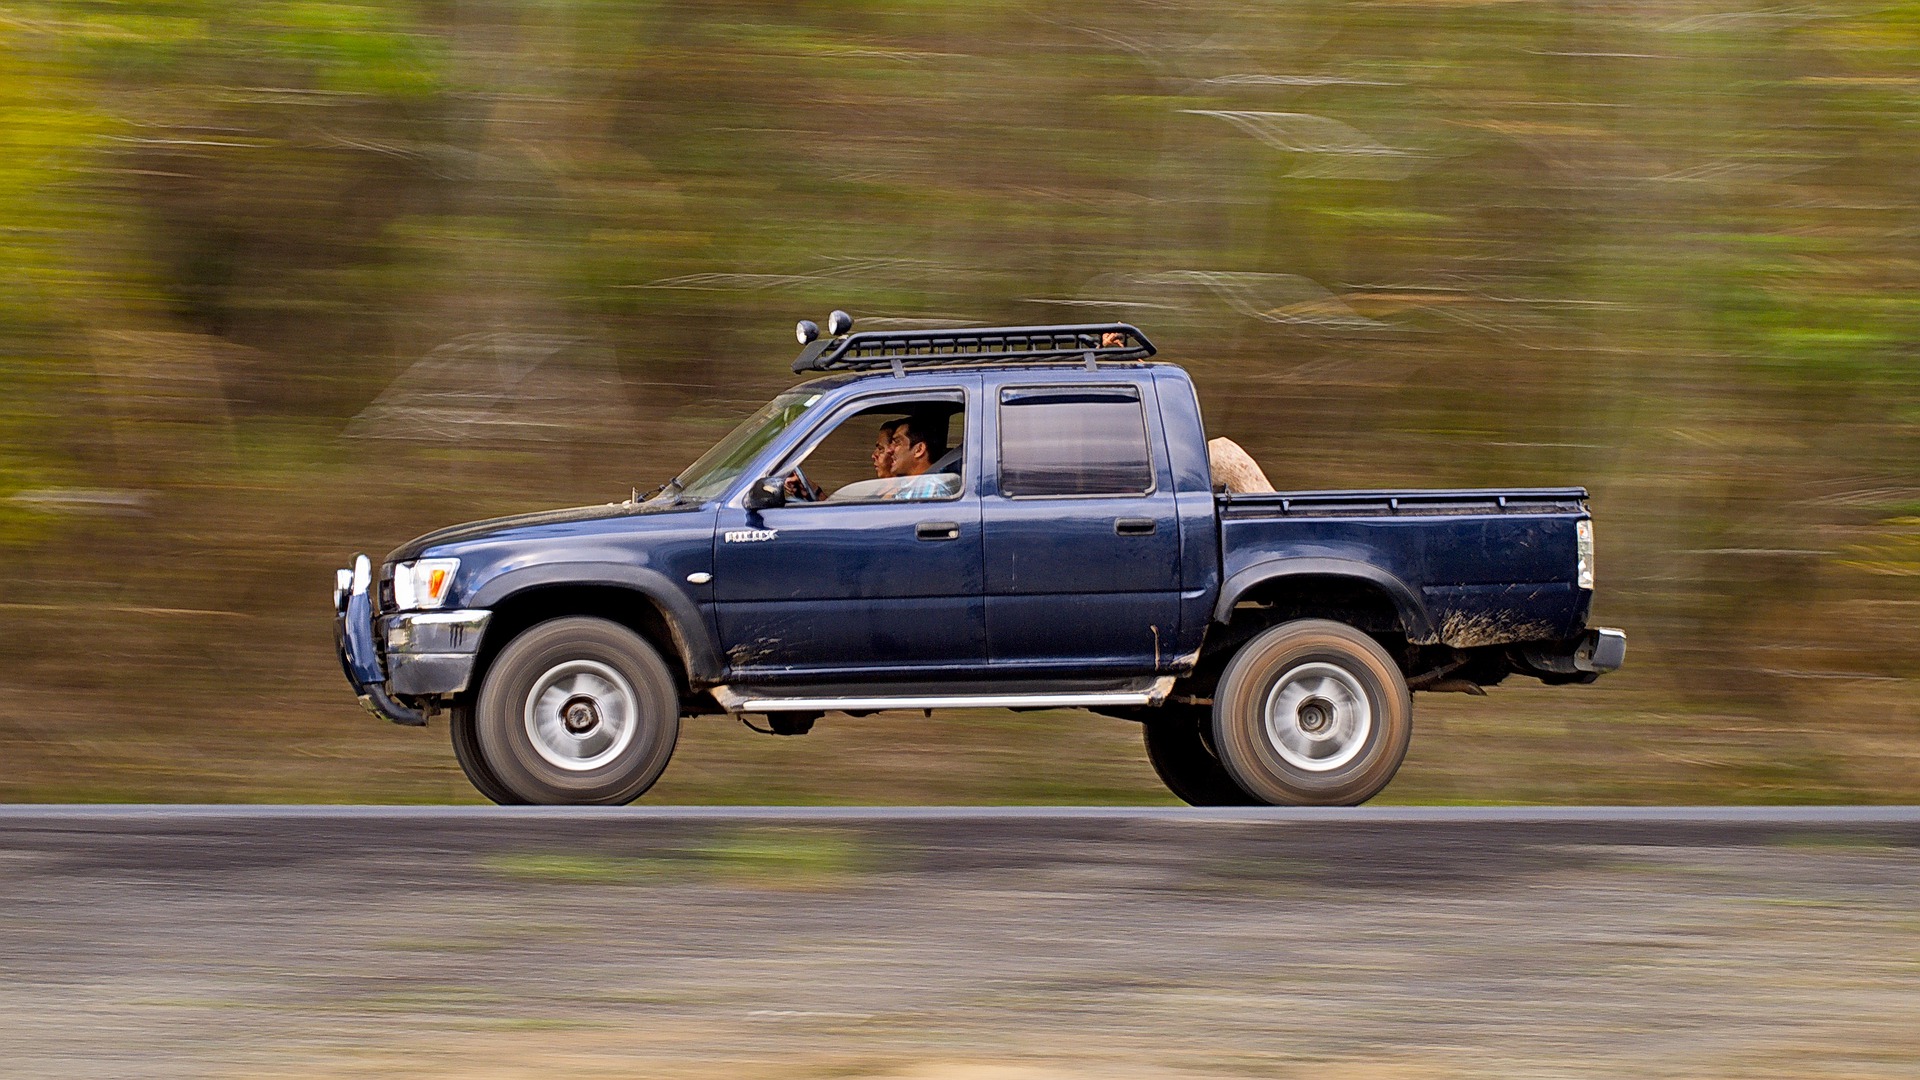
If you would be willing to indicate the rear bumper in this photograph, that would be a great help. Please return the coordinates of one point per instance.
(1578, 659)
(423, 654)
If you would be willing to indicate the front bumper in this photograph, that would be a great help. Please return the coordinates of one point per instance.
(418, 654)
(432, 652)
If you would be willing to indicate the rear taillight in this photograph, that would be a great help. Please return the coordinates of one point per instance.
(1583, 546)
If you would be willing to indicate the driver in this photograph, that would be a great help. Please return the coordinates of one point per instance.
(883, 449)
(799, 487)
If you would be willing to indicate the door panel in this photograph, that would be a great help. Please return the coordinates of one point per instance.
(1065, 589)
(1079, 578)
(813, 591)
(838, 588)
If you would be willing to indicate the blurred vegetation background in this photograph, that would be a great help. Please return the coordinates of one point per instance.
(287, 279)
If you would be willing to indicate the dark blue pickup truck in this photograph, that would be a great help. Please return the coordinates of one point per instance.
(1018, 517)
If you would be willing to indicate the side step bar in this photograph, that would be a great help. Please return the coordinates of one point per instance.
(755, 700)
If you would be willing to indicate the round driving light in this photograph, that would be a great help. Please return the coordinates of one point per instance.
(839, 323)
(806, 331)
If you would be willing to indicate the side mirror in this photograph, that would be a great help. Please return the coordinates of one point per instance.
(766, 492)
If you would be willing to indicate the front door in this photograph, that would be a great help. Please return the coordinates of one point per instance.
(860, 577)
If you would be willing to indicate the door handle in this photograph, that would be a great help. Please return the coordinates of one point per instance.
(1134, 526)
(937, 530)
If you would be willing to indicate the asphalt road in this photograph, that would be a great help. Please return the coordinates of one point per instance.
(1007, 943)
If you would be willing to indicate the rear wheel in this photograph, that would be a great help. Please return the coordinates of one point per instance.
(1178, 751)
(1312, 713)
(577, 711)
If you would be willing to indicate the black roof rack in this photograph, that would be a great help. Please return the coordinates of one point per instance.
(992, 344)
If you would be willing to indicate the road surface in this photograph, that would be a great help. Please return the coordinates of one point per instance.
(999, 944)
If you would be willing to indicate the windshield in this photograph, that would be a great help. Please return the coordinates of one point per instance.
(719, 467)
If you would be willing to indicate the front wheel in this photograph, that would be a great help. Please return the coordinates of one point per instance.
(1312, 713)
(577, 711)
(466, 750)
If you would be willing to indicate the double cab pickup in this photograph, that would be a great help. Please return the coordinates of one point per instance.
(1013, 517)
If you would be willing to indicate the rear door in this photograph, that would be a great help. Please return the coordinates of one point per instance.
(1082, 539)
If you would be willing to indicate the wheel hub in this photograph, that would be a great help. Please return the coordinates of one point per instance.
(1318, 717)
(581, 715)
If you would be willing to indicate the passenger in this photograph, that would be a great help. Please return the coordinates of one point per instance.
(917, 444)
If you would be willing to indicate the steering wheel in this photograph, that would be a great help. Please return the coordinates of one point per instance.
(802, 488)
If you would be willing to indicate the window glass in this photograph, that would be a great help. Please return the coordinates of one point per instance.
(720, 466)
(1073, 441)
(899, 450)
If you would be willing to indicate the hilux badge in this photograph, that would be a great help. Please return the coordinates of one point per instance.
(750, 536)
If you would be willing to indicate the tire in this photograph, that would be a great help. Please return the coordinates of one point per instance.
(577, 711)
(1183, 762)
(466, 750)
(1312, 713)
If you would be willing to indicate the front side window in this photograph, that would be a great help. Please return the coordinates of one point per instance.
(902, 450)
(1071, 440)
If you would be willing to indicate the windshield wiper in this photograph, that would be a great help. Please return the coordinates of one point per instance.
(671, 487)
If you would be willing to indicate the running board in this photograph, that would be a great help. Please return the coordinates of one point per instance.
(752, 700)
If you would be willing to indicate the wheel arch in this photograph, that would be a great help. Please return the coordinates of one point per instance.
(1347, 580)
(637, 598)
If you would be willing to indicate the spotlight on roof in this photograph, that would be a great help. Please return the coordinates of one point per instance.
(839, 323)
(806, 331)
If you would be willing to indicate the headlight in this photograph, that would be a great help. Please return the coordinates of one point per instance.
(422, 584)
(1583, 545)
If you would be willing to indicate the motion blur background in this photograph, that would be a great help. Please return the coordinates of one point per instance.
(287, 279)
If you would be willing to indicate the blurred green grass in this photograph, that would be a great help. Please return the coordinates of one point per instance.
(764, 858)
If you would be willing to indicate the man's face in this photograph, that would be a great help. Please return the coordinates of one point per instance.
(883, 453)
(908, 458)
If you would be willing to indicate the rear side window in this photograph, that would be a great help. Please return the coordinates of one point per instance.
(1073, 440)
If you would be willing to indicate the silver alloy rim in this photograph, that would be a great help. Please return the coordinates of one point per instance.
(581, 715)
(1318, 717)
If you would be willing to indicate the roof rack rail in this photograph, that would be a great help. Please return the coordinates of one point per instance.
(992, 344)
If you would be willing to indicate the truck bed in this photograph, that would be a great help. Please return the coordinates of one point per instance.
(1400, 503)
(1465, 568)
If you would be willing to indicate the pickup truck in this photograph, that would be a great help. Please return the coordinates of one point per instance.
(1010, 517)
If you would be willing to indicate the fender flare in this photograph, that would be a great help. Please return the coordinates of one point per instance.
(685, 623)
(1407, 602)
